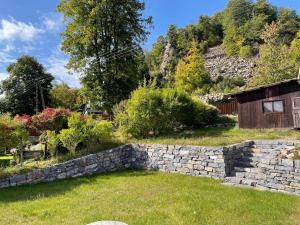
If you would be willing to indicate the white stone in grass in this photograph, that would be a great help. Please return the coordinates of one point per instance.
(107, 223)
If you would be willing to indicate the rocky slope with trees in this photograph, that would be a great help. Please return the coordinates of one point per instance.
(248, 41)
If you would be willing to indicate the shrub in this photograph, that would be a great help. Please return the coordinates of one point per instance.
(12, 132)
(83, 130)
(49, 119)
(246, 51)
(152, 111)
(102, 131)
(70, 139)
(52, 140)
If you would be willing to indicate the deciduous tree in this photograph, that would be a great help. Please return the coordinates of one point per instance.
(27, 79)
(103, 41)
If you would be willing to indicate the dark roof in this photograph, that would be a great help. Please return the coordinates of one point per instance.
(262, 87)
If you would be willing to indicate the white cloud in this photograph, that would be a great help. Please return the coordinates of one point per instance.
(3, 76)
(53, 22)
(11, 30)
(5, 57)
(56, 66)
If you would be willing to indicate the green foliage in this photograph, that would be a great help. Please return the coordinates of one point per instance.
(295, 50)
(289, 25)
(102, 131)
(82, 130)
(228, 84)
(12, 133)
(246, 51)
(152, 111)
(62, 96)
(19, 96)
(274, 63)
(52, 140)
(70, 139)
(191, 74)
(96, 32)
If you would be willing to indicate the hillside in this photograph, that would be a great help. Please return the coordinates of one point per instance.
(230, 43)
(217, 63)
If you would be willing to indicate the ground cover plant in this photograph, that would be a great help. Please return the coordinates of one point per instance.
(151, 198)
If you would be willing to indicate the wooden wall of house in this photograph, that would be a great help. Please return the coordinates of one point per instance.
(251, 114)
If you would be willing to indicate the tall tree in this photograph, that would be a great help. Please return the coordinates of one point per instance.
(103, 40)
(295, 50)
(274, 63)
(27, 79)
(289, 24)
(64, 96)
(191, 74)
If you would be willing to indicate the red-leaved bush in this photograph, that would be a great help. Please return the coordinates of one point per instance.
(49, 119)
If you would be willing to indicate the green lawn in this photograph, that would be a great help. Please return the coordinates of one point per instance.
(220, 136)
(144, 197)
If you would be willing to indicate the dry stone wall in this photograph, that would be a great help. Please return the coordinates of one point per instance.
(253, 163)
(106, 161)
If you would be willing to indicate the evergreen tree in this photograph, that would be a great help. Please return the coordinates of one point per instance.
(191, 75)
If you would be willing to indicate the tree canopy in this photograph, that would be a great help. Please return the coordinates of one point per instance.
(103, 41)
(27, 79)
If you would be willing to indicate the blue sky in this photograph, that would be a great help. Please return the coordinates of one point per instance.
(33, 27)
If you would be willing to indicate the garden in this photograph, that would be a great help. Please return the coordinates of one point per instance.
(151, 115)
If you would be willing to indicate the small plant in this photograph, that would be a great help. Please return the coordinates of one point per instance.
(70, 139)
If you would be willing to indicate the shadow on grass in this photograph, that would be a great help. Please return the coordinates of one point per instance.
(56, 188)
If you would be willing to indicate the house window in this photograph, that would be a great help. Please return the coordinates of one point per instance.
(273, 107)
(297, 102)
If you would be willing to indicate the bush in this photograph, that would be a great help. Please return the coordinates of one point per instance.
(82, 130)
(52, 140)
(246, 51)
(152, 111)
(49, 119)
(102, 131)
(70, 139)
(12, 133)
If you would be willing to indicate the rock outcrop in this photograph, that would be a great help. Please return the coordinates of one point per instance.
(218, 64)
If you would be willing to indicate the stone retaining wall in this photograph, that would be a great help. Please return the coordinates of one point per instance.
(215, 162)
(106, 161)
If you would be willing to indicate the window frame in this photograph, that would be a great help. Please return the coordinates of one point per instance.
(293, 100)
(272, 101)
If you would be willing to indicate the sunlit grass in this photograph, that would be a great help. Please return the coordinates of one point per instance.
(145, 197)
(220, 136)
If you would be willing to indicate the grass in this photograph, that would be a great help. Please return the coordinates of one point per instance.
(144, 198)
(220, 136)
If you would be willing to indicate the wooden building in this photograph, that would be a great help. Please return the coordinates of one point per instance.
(270, 106)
